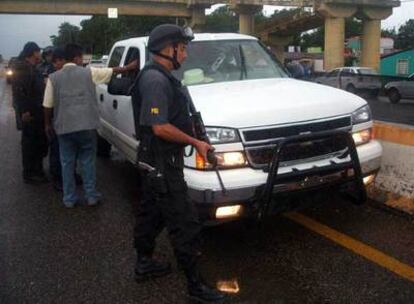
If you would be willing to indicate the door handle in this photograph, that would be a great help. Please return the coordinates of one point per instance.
(115, 104)
(101, 97)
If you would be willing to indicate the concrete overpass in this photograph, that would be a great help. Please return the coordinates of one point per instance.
(332, 12)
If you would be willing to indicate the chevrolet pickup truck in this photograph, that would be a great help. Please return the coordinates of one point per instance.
(273, 134)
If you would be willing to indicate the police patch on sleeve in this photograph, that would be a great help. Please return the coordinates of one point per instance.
(155, 111)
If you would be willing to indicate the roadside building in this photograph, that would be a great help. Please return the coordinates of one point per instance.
(398, 64)
(354, 46)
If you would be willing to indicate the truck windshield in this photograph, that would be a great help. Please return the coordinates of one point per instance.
(227, 60)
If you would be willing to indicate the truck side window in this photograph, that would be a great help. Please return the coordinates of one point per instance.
(116, 57)
(132, 54)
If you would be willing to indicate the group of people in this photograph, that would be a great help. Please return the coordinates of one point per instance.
(66, 128)
(56, 102)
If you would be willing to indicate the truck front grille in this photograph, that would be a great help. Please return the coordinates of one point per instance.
(267, 134)
(298, 152)
(259, 156)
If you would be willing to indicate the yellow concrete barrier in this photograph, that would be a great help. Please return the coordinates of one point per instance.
(398, 134)
(394, 185)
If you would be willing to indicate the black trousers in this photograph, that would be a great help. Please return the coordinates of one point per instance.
(164, 203)
(34, 148)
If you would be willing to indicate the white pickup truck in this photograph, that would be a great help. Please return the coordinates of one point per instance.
(273, 134)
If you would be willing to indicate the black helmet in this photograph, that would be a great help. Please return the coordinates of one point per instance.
(166, 34)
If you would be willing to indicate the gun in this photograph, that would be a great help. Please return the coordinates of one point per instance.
(201, 134)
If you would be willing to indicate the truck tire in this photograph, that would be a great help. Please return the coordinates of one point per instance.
(104, 148)
(394, 96)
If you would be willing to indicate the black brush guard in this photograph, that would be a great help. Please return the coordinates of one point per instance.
(266, 195)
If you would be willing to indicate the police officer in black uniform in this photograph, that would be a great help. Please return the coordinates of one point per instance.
(28, 89)
(161, 107)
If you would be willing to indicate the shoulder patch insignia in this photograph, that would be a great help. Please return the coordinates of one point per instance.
(155, 111)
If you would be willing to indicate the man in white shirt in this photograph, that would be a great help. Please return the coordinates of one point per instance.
(70, 94)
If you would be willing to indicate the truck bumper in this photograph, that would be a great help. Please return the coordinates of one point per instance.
(242, 184)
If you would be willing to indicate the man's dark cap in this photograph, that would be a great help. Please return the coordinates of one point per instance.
(166, 34)
(29, 48)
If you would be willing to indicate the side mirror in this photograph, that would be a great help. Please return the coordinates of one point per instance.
(120, 86)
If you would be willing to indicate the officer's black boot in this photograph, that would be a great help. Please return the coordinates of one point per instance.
(146, 268)
(199, 291)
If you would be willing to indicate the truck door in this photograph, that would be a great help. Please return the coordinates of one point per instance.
(345, 78)
(407, 87)
(332, 78)
(104, 98)
(410, 86)
(122, 106)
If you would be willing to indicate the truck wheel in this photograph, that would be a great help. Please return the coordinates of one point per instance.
(351, 89)
(104, 148)
(394, 96)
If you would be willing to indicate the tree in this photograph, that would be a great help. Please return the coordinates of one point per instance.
(68, 33)
(389, 33)
(98, 34)
(223, 19)
(405, 36)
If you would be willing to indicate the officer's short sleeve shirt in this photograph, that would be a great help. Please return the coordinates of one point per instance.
(156, 96)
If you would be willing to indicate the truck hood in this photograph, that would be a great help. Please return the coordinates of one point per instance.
(251, 103)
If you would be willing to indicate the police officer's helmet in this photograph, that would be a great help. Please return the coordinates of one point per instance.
(166, 34)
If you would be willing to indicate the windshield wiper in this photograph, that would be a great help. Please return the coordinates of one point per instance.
(243, 63)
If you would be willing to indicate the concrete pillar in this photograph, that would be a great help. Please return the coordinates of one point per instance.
(334, 43)
(335, 15)
(371, 38)
(371, 35)
(246, 17)
(198, 18)
(246, 24)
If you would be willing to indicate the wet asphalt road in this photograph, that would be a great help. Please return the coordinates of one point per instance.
(49, 254)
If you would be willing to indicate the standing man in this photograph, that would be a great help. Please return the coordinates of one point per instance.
(55, 170)
(28, 88)
(164, 130)
(71, 95)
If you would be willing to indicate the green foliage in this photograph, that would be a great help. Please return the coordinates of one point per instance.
(389, 33)
(405, 36)
(223, 19)
(98, 34)
(68, 33)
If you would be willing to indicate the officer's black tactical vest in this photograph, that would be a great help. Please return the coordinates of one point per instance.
(181, 97)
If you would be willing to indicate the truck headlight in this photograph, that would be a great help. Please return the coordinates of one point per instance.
(225, 160)
(362, 137)
(219, 135)
(9, 72)
(361, 115)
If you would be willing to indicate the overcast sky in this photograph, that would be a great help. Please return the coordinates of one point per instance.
(16, 30)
